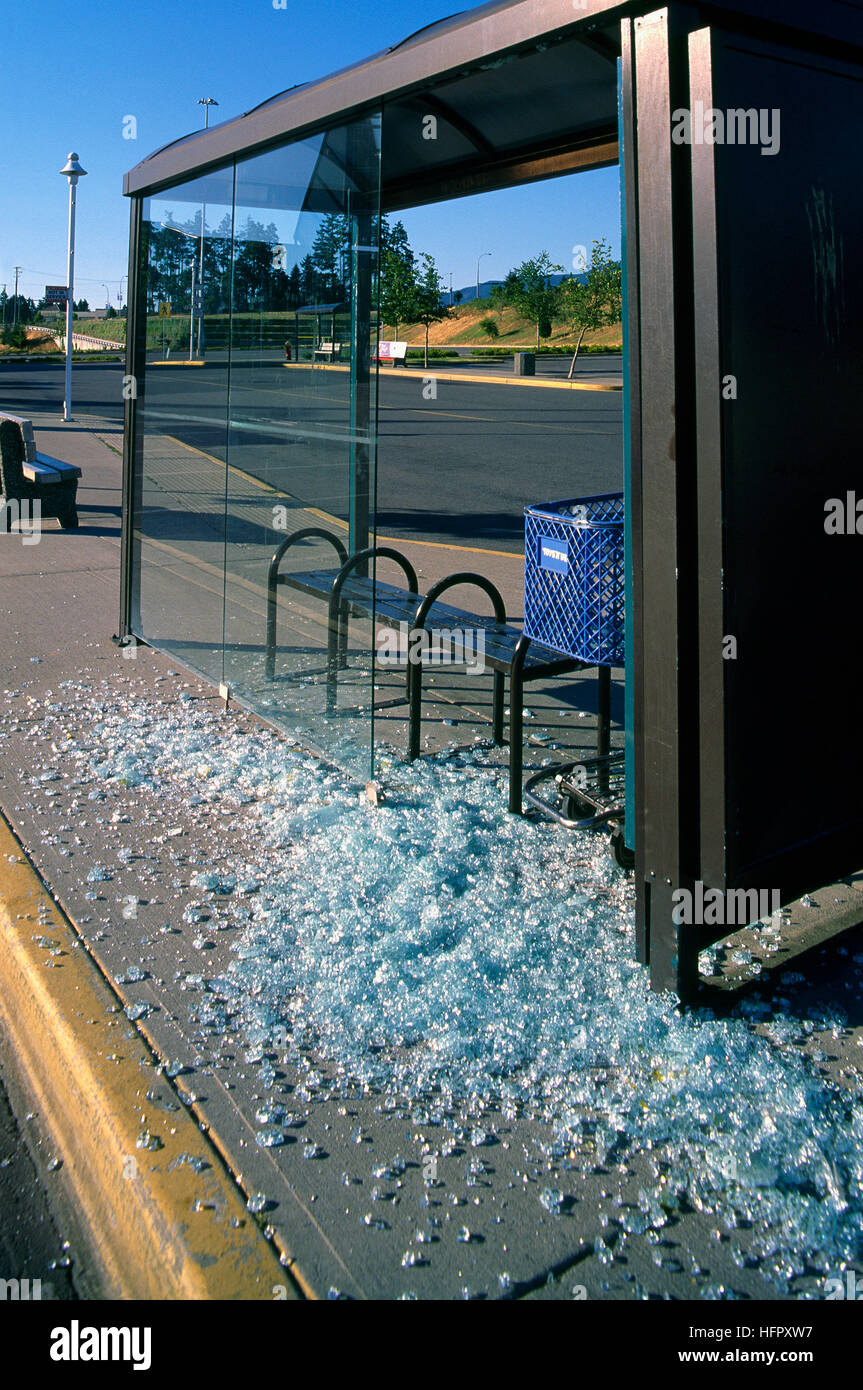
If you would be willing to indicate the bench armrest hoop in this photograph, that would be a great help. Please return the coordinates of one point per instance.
(465, 577)
(387, 553)
(307, 533)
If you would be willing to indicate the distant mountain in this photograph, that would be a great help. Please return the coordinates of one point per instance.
(468, 292)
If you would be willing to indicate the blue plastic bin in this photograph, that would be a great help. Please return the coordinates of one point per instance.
(574, 577)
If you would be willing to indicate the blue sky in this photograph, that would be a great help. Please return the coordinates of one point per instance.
(152, 60)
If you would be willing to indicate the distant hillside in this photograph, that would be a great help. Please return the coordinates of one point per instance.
(462, 330)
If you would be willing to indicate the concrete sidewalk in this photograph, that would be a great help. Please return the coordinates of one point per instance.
(57, 616)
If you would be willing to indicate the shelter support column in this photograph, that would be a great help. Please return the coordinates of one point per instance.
(133, 386)
(661, 490)
(360, 349)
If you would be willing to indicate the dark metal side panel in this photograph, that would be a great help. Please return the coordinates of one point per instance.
(780, 293)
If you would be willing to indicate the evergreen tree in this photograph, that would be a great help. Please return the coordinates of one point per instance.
(331, 254)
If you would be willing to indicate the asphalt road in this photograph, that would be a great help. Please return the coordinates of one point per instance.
(457, 468)
(31, 1243)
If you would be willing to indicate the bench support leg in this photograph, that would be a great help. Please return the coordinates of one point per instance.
(603, 721)
(497, 707)
(272, 609)
(516, 725)
(343, 637)
(335, 641)
(415, 705)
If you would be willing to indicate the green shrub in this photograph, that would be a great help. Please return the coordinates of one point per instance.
(13, 336)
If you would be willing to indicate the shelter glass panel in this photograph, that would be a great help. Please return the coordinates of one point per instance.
(301, 437)
(179, 526)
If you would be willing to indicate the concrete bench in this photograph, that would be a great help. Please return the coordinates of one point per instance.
(28, 476)
(394, 353)
(27, 435)
(507, 651)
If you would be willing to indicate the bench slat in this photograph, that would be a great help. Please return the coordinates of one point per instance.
(37, 473)
(68, 470)
(397, 605)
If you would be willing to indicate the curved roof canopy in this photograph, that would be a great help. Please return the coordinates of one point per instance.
(520, 90)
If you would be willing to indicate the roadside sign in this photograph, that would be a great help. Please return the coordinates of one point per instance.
(197, 302)
(164, 309)
(56, 294)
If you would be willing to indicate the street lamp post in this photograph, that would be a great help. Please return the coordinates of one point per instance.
(478, 259)
(206, 102)
(73, 171)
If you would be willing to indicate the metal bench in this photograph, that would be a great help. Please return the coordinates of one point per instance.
(507, 651)
(330, 350)
(27, 475)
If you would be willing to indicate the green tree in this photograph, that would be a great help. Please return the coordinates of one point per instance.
(428, 306)
(294, 288)
(331, 254)
(595, 299)
(394, 241)
(309, 288)
(398, 291)
(529, 290)
(489, 327)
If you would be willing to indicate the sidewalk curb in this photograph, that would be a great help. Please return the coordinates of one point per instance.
(159, 1229)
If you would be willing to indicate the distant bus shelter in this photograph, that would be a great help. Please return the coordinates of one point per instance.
(735, 128)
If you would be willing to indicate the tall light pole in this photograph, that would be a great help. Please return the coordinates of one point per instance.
(18, 270)
(478, 259)
(192, 237)
(206, 102)
(73, 172)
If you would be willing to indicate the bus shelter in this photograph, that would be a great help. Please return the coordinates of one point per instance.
(734, 127)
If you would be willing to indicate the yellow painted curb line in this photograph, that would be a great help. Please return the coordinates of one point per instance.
(180, 362)
(160, 1229)
(507, 380)
(425, 372)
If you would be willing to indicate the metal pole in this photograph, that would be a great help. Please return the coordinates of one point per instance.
(360, 519)
(478, 259)
(206, 102)
(192, 315)
(70, 285)
(18, 268)
(201, 278)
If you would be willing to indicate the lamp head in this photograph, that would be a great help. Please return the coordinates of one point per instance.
(73, 169)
